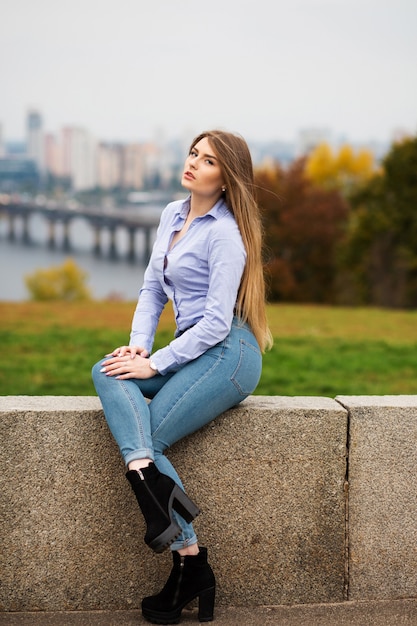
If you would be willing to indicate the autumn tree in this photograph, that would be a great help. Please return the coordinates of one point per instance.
(303, 226)
(381, 247)
(343, 169)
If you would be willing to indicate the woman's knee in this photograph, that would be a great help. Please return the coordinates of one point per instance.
(96, 373)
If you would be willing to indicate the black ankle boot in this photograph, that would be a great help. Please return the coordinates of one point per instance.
(191, 576)
(157, 494)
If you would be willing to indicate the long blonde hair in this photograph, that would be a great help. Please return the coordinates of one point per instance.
(236, 164)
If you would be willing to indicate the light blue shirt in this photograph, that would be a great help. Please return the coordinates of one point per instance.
(201, 275)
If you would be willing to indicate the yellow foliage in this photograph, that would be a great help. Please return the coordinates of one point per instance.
(342, 169)
(64, 282)
(345, 159)
(364, 164)
(320, 166)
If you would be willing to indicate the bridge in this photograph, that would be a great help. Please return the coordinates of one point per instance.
(142, 217)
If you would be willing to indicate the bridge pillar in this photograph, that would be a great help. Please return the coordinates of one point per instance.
(113, 248)
(131, 251)
(66, 244)
(12, 232)
(51, 234)
(25, 230)
(97, 240)
(148, 244)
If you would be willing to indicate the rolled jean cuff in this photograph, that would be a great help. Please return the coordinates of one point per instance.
(179, 544)
(136, 455)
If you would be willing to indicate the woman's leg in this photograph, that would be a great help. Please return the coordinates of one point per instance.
(191, 577)
(128, 417)
(127, 412)
(199, 392)
(181, 403)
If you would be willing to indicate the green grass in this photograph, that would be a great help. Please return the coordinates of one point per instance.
(330, 367)
(48, 349)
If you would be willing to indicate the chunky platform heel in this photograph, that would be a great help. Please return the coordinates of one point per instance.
(182, 504)
(157, 495)
(206, 605)
(191, 577)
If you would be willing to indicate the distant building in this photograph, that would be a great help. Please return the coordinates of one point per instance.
(16, 148)
(17, 174)
(109, 165)
(35, 143)
(79, 157)
(120, 165)
(133, 166)
(53, 156)
(153, 168)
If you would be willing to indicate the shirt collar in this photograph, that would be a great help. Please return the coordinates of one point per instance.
(219, 209)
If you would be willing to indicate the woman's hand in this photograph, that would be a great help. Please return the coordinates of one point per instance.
(132, 350)
(128, 362)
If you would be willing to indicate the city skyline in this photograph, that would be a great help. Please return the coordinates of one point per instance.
(74, 154)
(333, 136)
(130, 72)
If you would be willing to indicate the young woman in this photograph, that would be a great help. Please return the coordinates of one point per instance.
(207, 260)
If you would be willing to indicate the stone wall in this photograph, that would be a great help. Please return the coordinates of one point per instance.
(382, 474)
(304, 500)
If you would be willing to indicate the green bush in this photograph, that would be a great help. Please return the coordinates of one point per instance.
(62, 282)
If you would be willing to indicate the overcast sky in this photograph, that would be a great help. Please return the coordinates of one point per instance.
(264, 68)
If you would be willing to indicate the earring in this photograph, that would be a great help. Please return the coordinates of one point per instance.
(223, 189)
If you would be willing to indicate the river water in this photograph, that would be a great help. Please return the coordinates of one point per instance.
(106, 278)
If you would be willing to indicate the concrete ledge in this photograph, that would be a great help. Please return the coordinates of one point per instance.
(270, 477)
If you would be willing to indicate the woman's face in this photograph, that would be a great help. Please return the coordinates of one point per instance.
(202, 172)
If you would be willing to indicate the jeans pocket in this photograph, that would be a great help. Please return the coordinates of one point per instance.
(248, 370)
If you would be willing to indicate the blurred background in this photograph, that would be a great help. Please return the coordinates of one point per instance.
(100, 100)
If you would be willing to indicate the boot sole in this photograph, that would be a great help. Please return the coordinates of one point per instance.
(164, 540)
(205, 614)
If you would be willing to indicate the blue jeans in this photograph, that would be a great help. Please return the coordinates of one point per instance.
(181, 402)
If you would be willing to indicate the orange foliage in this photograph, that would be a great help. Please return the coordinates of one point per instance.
(303, 227)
